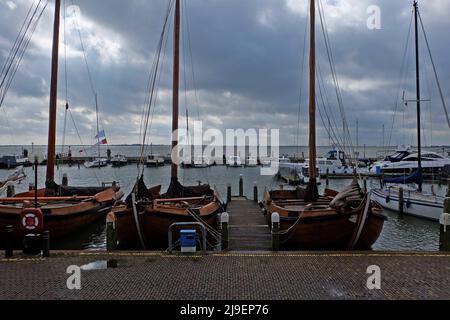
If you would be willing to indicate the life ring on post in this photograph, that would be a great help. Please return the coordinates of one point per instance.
(32, 220)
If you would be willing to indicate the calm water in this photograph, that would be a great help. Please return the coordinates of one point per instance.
(406, 233)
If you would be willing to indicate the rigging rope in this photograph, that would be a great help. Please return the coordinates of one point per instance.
(19, 48)
(153, 83)
(327, 42)
(435, 72)
(403, 75)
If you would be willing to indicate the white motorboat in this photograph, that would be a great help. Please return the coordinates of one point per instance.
(234, 161)
(432, 162)
(333, 163)
(155, 160)
(12, 161)
(119, 161)
(96, 163)
(251, 161)
(202, 162)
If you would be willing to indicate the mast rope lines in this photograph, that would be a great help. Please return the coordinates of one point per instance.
(187, 47)
(441, 94)
(20, 45)
(91, 83)
(346, 132)
(404, 67)
(152, 88)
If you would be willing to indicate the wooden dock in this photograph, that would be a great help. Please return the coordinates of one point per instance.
(248, 229)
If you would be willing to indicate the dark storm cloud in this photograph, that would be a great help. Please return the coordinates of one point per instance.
(247, 57)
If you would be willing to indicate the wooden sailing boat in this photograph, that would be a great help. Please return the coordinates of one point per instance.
(416, 202)
(65, 209)
(143, 220)
(333, 221)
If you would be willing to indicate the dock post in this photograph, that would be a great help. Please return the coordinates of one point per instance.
(444, 240)
(365, 184)
(255, 192)
(401, 202)
(241, 186)
(10, 191)
(46, 244)
(9, 242)
(111, 232)
(65, 180)
(224, 221)
(275, 231)
(448, 188)
(328, 177)
(229, 193)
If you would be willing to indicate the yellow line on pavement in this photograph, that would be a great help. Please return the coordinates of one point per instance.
(118, 254)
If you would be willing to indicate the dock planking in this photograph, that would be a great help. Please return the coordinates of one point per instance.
(248, 229)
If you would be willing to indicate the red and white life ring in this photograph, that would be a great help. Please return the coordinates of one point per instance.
(31, 220)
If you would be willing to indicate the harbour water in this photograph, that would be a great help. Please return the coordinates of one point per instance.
(407, 233)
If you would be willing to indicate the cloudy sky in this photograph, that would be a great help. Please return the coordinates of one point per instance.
(247, 58)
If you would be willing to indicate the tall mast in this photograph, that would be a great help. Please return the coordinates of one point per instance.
(176, 83)
(312, 108)
(51, 152)
(419, 139)
(98, 127)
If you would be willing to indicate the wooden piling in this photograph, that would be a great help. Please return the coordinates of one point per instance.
(9, 242)
(444, 239)
(229, 193)
(275, 231)
(46, 244)
(401, 201)
(111, 232)
(224, 221)
(365, 185)
(328, 177)
(10, 191)
(448, 188)
(65, 180)
(241, 186)
(255, 192)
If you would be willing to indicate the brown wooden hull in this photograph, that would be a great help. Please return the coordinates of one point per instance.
(155, 226)
(330, 233)
(62, 219)
(321, 227)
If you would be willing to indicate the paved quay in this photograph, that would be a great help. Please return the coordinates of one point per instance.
(232, 276)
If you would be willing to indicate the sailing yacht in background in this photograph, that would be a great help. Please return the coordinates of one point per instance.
(416, 202)
(98, 162)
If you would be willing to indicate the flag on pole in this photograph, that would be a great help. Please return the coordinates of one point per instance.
(101, 137)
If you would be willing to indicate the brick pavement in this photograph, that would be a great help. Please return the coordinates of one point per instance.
(255, 276)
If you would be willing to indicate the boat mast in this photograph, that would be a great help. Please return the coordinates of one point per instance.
(98, 128)
(419, 139)
(175, 101)
(312, 187)
(51, 152)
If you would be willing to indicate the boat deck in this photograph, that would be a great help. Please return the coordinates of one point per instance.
(248, 229)
(232, 276)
